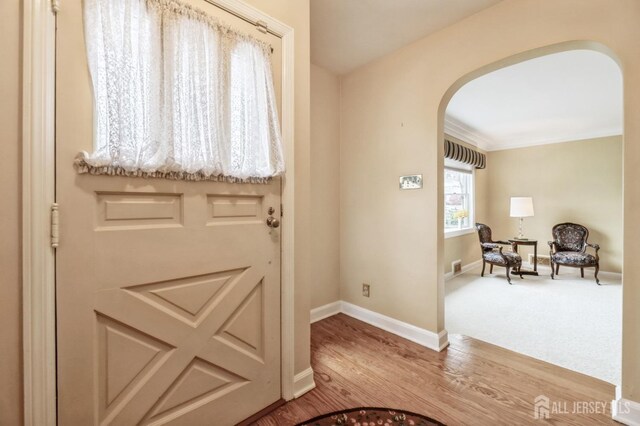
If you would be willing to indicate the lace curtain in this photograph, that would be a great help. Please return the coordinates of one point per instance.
(178, 95)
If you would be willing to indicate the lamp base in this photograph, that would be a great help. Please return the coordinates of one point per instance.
(520, 228)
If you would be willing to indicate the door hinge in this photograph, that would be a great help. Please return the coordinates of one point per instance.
(55, 225)
(55, 6)
(281, 210)
(262, 27)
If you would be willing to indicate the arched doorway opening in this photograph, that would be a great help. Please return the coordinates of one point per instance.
(505, 232)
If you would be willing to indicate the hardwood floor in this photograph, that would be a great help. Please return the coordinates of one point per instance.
(469, 383)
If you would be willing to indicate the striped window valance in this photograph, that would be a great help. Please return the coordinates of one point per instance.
(465, 155)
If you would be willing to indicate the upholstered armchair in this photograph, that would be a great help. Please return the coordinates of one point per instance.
(493, 255)
(569, 248)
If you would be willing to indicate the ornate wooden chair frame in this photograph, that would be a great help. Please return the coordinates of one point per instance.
(493, 255)
(574, 252)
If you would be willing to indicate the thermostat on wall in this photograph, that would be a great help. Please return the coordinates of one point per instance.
(411, 182)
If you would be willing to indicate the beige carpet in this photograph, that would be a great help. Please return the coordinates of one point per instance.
(570, 322)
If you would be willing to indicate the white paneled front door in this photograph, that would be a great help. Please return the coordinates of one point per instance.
(168, 292)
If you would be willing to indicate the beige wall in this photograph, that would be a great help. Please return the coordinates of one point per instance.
(578, 181)
(10, 172)
(325, 187)
(392, 117)
(465, 247)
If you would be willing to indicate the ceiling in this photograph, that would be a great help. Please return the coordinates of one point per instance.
(555, 98)
(346, 34)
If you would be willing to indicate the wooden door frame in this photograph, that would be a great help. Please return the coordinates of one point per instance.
(38, 196)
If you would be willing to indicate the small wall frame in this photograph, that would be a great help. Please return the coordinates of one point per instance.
(411, 182)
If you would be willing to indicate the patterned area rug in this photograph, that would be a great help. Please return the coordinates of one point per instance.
(367, 416)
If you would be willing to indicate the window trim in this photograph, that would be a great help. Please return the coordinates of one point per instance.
(452, 233)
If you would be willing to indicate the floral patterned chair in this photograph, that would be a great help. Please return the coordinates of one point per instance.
(493, 255)
(569, 248)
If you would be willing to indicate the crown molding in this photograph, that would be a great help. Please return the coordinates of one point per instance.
(501, 146)
(458, 129)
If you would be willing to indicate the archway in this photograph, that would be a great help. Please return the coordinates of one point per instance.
(453, 89)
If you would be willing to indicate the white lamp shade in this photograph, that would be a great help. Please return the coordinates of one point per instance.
(521, 207)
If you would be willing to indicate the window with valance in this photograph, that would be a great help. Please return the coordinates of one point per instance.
(459, 187)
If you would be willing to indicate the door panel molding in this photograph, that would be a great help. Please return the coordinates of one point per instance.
(38, 258)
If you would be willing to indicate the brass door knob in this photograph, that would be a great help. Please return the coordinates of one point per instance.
(272, 222)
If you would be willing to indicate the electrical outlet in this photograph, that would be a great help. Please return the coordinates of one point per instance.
(365, 290)
(456, 266)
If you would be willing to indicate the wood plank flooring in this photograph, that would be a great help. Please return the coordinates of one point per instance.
(469, 383)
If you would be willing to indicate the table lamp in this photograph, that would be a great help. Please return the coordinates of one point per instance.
(521, 207)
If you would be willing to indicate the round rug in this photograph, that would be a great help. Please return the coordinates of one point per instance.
(370, 416)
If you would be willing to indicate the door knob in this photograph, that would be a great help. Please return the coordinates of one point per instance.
(272, 222)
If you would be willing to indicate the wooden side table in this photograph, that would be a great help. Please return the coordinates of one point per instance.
(533, 243)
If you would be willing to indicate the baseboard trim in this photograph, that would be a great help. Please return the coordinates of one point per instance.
(542, 269)
(568, 270)
(625, 411)
(443, 340)
(426, 338)
(465, 268)
(303, 382)
(326, 311)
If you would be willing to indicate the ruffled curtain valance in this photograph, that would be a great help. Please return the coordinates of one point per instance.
(178, 95)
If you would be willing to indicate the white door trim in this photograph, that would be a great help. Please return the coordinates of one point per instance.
(38, 191)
